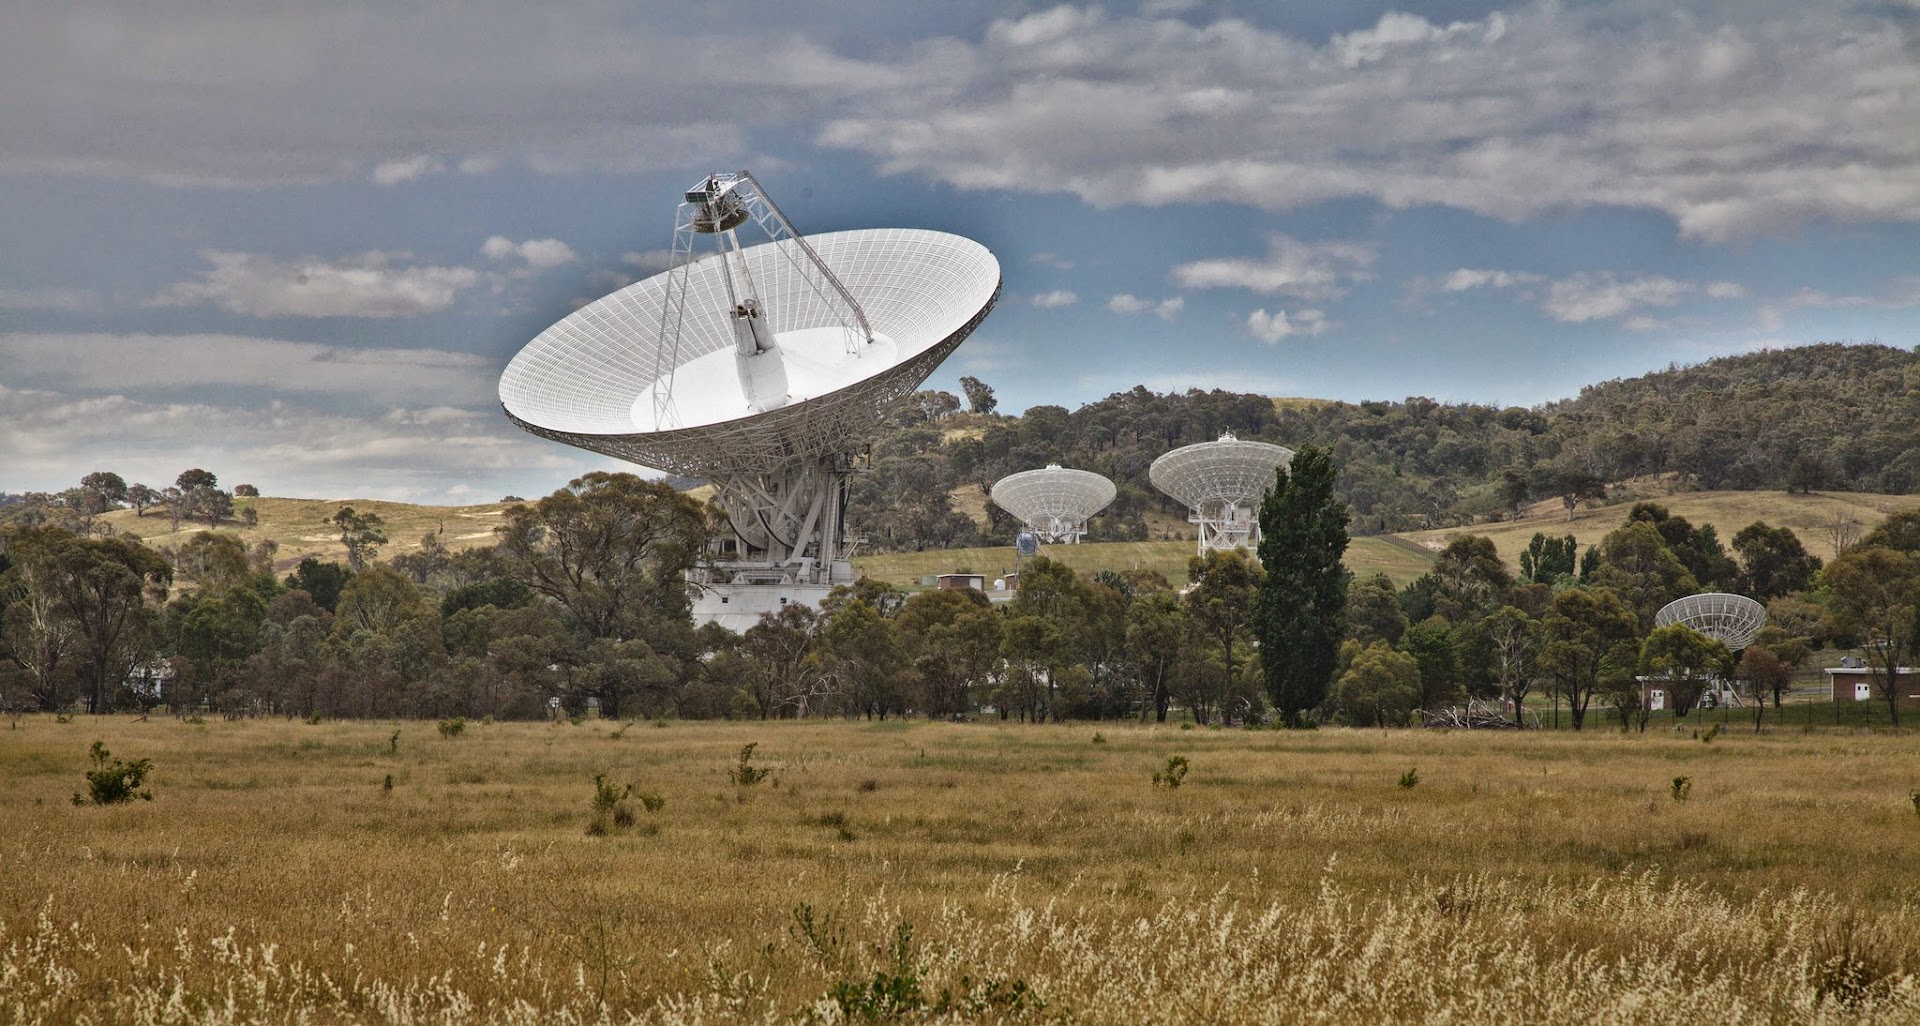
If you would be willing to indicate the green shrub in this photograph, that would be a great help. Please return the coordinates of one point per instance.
(110, 783)
(1410, 779)
(1682, 788)
(1175, 772)
(745, 773)
(452, 728)
(610, 808)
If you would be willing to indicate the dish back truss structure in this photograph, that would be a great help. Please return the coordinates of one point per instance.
(1054, 502)
(1733, 620)
(1221, 483)
(762, 366)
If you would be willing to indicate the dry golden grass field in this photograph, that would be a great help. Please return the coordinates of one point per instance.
(932, 872)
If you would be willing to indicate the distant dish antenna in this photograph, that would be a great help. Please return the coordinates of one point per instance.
(1221, 484)
(1733, 620)
(1054, 503)
(763, 368)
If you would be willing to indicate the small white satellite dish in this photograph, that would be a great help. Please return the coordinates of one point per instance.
(1055, 502)
(1221, 483)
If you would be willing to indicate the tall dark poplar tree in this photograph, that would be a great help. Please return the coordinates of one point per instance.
(1300, 613)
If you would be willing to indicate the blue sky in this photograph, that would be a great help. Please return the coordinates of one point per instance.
(295, 243)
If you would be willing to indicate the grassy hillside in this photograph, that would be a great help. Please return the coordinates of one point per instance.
(1810, 516)
(301, 529)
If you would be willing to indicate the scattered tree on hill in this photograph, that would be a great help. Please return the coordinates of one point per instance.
(979, 395)
(1300, 611)
(195, 478)
(111, 487)
(361, 533)
(142, 498)
(246, 491)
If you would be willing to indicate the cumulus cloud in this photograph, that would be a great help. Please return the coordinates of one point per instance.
(1466, 278)
(1308, 270)
(373, 284)
(1128, 304)
(394, 172)
(1604, 295)
(1051, 260)
(1593, 295)
(1054, 299)
(651, 261)
(1734, 121)
(1272, 327)
(540, 254)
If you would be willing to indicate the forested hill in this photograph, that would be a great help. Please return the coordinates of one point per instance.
(1831, 416)
(1826, 416)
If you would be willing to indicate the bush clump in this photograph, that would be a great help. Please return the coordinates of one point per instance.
(116, 781)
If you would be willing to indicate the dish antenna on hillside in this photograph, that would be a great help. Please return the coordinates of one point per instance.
(1054, 503)
(1221, 483)
(1733, 620)
(763, 368)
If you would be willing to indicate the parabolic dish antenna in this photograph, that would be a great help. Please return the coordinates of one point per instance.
(1055, 503)
(763, 368)
(1733, 620)
(1221, 483)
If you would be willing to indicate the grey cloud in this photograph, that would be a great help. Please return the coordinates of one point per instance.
(128, 363)
(375, 285)
(1733, 122)
(205, 93)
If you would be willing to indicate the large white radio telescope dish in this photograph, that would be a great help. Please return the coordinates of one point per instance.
(1054, 503)
(1734, 620)
(763, 368)
(1221, 483)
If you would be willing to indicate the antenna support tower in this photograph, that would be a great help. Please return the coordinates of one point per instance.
(763, 365)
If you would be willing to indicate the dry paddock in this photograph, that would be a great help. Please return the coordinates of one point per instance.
(932, 872)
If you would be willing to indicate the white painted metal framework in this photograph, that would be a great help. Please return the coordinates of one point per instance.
(1055, 502)
(1734, 620)
(763, 368)
(1221, 483)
